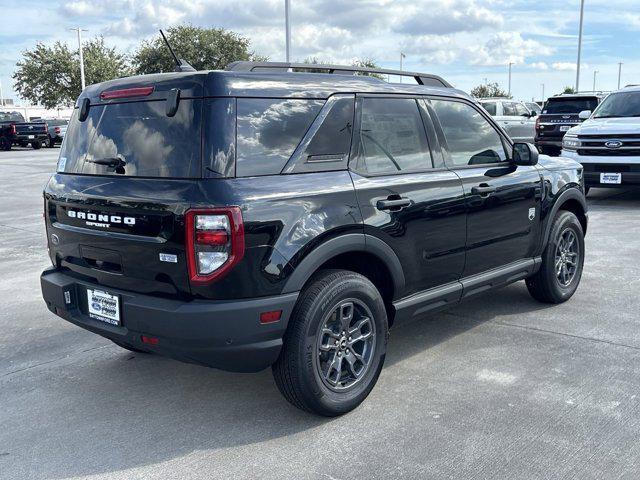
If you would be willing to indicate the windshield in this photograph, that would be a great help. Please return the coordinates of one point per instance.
(11, 117)
(135, 139)
(623, 104)
(570, 105)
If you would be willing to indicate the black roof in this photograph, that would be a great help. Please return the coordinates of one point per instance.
(222, 83)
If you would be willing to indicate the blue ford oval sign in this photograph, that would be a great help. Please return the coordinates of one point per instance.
(613, 144)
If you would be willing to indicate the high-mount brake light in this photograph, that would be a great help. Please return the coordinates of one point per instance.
(126, 93)
(214, 241)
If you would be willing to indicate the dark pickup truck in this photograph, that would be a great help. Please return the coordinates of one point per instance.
(15, 131)
(559, 114)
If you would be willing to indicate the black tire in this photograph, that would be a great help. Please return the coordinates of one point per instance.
(36, 145)
(546, 286)
(5, 144)
(51, 142)
(129, 347)
(298, 370)
(586, 190)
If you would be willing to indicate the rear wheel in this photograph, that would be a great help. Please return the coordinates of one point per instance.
(335, 345)
(5, 144)
(36, 145)
(51, 142)
(562, 261)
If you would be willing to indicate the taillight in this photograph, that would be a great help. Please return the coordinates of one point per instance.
(13, 129)
(214, 241)
(56, 129)
(538, 123)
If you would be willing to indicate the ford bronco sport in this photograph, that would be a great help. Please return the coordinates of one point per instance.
(259, 217)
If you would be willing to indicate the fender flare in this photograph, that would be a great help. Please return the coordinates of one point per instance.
(568, 194)
(352, 242)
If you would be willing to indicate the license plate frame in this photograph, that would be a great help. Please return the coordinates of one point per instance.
(609, 178)
(104, 306)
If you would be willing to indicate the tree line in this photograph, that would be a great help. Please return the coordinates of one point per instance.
(50, 75)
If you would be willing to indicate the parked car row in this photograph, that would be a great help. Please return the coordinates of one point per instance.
(14, 130)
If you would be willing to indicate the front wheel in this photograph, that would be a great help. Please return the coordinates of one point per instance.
(335, 345)
(562, 261)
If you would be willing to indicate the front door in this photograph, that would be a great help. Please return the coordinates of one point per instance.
(503, 199)
(414, 205)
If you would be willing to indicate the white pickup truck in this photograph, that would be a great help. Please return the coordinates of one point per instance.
(607, 144)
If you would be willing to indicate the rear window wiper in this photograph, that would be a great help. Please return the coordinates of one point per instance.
(113, 162)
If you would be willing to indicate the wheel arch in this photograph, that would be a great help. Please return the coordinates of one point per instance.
(361, 253)
(572, 200)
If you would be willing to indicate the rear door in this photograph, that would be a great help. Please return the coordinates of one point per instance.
(503, 199)
(407, 196)
(126, 175)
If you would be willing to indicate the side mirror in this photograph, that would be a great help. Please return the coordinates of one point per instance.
(533, 114)
(524, 154)
(84, 109)
(584, 114)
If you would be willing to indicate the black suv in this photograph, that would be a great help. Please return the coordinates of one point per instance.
(259, 217)
(559, 114)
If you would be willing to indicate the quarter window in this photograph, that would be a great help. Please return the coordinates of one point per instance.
(269, 131)
(392, 137)
(470, 138)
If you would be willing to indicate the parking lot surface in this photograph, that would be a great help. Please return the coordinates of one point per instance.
(500, 387)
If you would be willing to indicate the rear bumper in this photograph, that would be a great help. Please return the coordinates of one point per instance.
(222, 334)
(24, 137)
(548, 142)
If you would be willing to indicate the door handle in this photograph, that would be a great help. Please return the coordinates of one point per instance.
(483, 189)
(393, 203)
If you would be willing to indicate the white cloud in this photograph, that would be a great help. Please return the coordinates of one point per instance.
(540, 66)
(564, 66)
(505, 47)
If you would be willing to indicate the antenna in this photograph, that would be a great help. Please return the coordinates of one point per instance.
(181, 64)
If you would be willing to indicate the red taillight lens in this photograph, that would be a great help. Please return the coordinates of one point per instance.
(538, 123)
(214, 241)
(13, 129)
(126, 92)
(270, 317)
(149, 340)
(56, 129)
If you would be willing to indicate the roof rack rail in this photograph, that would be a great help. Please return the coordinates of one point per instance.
(426, 79)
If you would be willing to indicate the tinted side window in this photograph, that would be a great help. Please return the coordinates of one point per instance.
(490, 107)
(392, 137)
(327, 143)
(521, 110)
(470, 138)
(268, 131)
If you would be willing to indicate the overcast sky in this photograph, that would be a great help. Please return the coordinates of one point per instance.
(465, 41)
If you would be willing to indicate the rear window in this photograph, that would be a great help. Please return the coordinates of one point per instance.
(11, 117)
(135, 139)
(269, 130)
(490, 107)
(570, 105)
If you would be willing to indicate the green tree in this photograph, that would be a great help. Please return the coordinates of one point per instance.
(365, 62)
(203, 48)
(50, 75)
(487, 90)
(569, 90)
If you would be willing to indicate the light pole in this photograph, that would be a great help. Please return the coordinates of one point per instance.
(595, 72)
(543, 93)
(287, 26)
(510, 63)
(619, 73)
(79, 31)
(579, 46)
(1, 96)
(402, 56)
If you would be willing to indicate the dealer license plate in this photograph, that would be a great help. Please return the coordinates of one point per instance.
(103, 306)
(615, 178)
(565, 128)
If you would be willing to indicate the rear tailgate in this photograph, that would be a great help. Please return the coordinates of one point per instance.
(26, 129)
(556, 125)
(127, 173)
(125, 233)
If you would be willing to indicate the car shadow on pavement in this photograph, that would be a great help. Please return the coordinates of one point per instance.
(111, 410)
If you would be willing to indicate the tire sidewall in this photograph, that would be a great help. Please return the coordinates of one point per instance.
(564, 220)
(359, 288)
